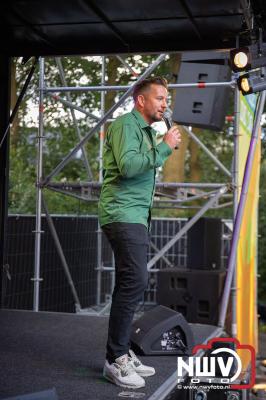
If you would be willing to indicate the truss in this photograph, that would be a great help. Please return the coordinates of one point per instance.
(212, 195)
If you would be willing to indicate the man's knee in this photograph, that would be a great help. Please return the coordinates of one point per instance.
(144, 281)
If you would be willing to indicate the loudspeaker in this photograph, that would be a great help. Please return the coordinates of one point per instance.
(193, 293)
(162, 331)
(204, 244)
(201, 391)
(224, 355)
(44, 395)
(205, 108)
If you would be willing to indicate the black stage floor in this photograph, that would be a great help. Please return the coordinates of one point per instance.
(40, 351)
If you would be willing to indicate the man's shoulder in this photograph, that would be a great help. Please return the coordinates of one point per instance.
(127, 118)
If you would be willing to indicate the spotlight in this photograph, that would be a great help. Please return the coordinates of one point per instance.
(243, 84)
(240, 59)
(252, 82)
(250, 57)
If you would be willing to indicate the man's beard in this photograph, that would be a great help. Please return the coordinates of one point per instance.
(155, 118)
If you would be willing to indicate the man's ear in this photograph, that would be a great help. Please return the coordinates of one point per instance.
(141, 100)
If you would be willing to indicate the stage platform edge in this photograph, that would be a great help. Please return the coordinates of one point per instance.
(44, 350)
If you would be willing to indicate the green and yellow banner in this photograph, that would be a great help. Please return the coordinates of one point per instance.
(247, 245)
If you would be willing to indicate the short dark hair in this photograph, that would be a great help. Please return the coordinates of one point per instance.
(146, 83)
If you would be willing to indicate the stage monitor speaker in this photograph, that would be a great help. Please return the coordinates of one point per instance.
(204, 108)
(224, 355)
(193, 293)
(44, 395)
(206, 391)
(204, 244)
(162, 331)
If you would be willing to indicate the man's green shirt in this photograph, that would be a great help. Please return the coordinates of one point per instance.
(129, 160)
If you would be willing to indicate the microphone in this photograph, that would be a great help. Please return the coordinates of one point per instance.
(167, 117)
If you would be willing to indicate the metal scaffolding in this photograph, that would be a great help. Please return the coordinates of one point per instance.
(211, 192)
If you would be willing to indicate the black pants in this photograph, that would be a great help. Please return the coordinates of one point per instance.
(129, 243)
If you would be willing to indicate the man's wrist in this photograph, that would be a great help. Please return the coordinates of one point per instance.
(164, 149)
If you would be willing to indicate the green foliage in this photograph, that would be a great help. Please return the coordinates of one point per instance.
(61, 137)
(22, 179)
(221, 146)
(22, 189)
(59, 131)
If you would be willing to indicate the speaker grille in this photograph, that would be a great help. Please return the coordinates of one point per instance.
(197, 299)
(204, 108)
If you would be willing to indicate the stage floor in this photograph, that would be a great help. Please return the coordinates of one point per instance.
(43, 350)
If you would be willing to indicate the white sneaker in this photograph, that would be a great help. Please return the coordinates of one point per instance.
(122, 374)
(141, 369)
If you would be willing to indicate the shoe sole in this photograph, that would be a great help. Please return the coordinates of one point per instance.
(118, 383)
(145, 374)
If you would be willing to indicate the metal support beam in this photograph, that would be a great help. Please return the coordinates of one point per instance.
(19, 100)
(214, 207)
(106, 88)
(5, 71)
(73, 115)
(156, 204)
(97, 185)
(167, 262)
(38, 219)
(221, 188)
(99, 231)
(109, 113)
(186, 227)
(175, 199)
(90, 192)
(73, 106)
(236, 196)
(240, 209)
(127, 66)
(61, 255)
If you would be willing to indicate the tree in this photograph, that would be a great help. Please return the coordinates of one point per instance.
(59, 131)
(190, 162)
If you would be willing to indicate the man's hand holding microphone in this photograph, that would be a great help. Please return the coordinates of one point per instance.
(173, 137)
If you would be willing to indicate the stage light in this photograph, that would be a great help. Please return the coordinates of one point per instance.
(252, 82)
(244, 85)
(240, 59)
(250, 57)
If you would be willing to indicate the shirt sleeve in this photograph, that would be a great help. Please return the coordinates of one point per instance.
(125, 144)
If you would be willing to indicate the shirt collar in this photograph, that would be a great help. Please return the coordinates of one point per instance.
(140, 119)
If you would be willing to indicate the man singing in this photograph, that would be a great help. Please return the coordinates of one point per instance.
(130, 159)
